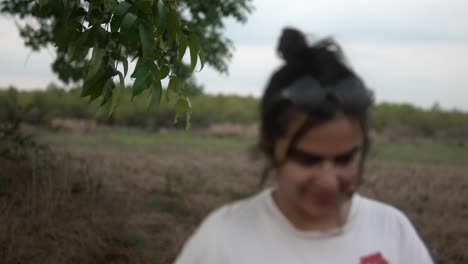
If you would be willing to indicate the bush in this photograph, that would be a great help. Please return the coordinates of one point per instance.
(40, 107)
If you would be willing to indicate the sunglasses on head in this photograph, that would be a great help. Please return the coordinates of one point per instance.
(309, 95)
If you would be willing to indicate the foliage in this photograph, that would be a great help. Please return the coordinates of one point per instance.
(420, 122)
(92, 38)
(41, 107)
(14, 144)
(428, 152)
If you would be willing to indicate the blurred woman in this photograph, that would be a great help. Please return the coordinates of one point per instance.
(315, 134)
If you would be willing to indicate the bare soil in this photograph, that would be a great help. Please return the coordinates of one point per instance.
(150, 202)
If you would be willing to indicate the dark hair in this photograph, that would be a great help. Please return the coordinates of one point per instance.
(324, 61)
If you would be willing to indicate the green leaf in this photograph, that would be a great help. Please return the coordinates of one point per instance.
(95, 16)
(108, 88)
(91, 84)
(122, 8)
(156, 92)
(156, 5)
(147, 40)
(186, 30)
(194, 42)
(141, 84)
(106, 108)
(141, 62)
(173, 27)
(182, 46)
(194, 48)
(128, 23)
(97, 88)
(119, 13)
(42, 3)
(145, 6)
(99, 84)
(156, 89)
(101, 35)
(201, 54)
(125, 65)
(96, 61)
(158, 51)
(110, 5)
(82, 53)
(183, 105)
(163, 71)
(72, 52)
(77, 50)
(193, 59)
(137, 66)
(173, 86)
(143, 77)
(108, 98)
(64, 33)
(188, 118)
(163, 14)
(86, 89)
(118, 94)
(77, 53)
(115, 23)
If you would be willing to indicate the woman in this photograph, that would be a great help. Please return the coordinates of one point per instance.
(314, 131)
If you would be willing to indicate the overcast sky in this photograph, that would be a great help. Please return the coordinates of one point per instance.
(407, 51)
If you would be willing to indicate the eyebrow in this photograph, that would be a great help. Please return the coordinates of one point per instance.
(348, 153)
(315, 156)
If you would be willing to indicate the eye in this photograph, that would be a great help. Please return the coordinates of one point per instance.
(304, 158)
(344, 160)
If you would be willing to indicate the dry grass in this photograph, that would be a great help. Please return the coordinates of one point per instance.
(232, 130)
(76, 125)
(53, 210)
(171, 193)
(435, 197)
(139, 206)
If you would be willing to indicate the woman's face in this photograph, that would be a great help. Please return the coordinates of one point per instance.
(322, 169)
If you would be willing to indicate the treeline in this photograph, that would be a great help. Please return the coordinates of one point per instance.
(408, 121)
(41, 107)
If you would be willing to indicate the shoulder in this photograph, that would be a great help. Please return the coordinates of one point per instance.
(393, 223)
(380, 213)
(212, 240)
(230, 217)
(236, 213)
(376, 217)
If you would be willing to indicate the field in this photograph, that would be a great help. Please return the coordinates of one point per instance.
(130, 196)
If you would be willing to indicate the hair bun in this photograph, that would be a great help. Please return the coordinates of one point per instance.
(292, 45)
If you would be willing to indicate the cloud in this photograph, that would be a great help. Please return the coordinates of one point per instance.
(384, 21)
(20, 66)
(421, 73)
(248, 71)
(408, 51)
(417, 73)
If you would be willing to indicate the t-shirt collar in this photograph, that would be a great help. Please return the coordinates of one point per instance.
(281, 219)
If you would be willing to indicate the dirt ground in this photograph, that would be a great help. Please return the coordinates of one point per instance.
(435, 197)
(160, 197)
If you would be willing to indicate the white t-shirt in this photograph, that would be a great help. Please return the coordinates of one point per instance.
(254, 231)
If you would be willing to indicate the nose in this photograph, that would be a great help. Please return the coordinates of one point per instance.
(329, 178)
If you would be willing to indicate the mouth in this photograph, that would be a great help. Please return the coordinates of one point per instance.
(325, 199)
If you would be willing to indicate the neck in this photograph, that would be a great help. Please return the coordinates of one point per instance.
(304, 221)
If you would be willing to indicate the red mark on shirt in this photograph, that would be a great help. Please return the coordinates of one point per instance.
(376, 258)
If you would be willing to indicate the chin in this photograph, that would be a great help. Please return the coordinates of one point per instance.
(320, 214)
(317, 211)
(325, 208)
